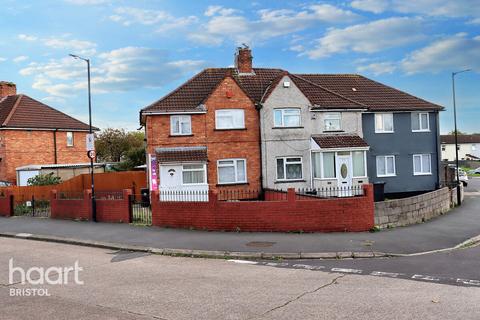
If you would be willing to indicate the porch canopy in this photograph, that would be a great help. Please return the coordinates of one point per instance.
(339, 141)
(181, 154)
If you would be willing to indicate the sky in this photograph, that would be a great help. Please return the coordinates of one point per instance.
(141, 50)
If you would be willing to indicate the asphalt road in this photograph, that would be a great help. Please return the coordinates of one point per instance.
(458, 267)
(119, 285)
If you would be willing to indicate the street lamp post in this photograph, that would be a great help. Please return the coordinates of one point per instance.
(459, 200)
(94, 204)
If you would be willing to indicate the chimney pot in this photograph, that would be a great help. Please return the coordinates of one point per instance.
(243, 60)
(7, 89)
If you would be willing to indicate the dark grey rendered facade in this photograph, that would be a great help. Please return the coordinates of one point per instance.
(403, 144)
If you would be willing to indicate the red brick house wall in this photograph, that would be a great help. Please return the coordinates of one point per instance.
(25, 147)
(291, 214)
(221, 144)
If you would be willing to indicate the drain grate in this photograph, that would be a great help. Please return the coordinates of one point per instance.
(260, 244)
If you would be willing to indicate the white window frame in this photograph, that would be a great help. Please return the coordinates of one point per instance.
(282, 111)
(333, 116)
(377, 130)
(418, 117)
(285, 167)
(220, 111)
(73, 139)
(204, 169)
(364, 163)
(422, 173)
(235, 162)
(181, 119)
(386, 173)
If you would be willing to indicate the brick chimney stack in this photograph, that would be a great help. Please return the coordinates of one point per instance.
(7, 89)
(243, 60)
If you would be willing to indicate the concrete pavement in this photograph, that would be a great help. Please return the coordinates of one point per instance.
(121, 285)
(446, 231)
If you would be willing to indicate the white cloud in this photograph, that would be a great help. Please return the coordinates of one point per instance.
(163, 20)
(369, 37)
(124, 69)
(452, 53)
(27, 37)
(3, 59)
(441, 8)
(225, 23)
(378, 68)
(20, 59)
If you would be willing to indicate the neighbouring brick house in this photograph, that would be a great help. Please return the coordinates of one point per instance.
(268, 128)
(32, 133)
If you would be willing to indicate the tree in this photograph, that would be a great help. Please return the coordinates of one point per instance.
(44, 180)
(458, 132)
(112, 145)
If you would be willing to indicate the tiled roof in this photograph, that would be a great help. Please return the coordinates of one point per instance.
(324, 91)
(190, 95)
(462, 138)
(21, 111)
(374, 95)
(181, 154)
(322, 98)
(339, 141)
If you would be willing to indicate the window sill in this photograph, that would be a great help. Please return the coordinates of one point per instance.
(180, 135)
(422, 174)
(287, 127)
(228, 129)
(421, 130)
(288, 181)
(384, 131)
(387, 176)
(232, 184)
(333, 131)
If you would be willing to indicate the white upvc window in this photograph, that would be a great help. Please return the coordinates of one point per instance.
(287, 117)
(180, 125)
(289, 168)
(383, 122)
(422, 164)
(420, 122)
(230, 119)
(194, 174)
(70, 140)
(232, 171)
(333, 121)
(386, 166)
(359, 164)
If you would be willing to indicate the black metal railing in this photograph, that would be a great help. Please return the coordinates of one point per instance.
(33, 207)
(140, 210)
(239, 195)
(109, 195)
(70, 195)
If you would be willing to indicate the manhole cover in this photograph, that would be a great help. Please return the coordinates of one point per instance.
(260, 244)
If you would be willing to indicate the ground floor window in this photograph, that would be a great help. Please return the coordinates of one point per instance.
(232, 171)
(358, 163)
(194, 174)
(289, 168)
(386, 166)
(324, 164)
(422, 164)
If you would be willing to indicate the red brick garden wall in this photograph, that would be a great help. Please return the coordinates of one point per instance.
(111, 210)
(291, 214)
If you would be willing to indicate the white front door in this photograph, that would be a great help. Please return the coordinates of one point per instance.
(183, 182)
(344, 175)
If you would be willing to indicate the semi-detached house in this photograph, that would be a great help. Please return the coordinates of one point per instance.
(253, 128)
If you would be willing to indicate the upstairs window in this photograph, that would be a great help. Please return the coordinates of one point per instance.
(230, 119)
(422, 164)
(384, 122)
(287, 117)
(70, 139)
(420, 122)
(232, 171)
(333, 121)
(180, 125)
